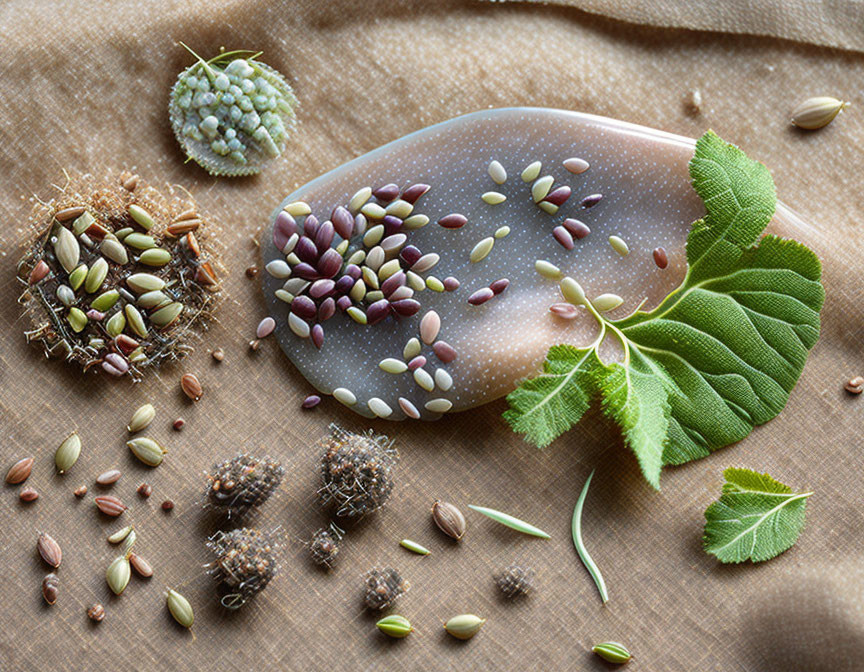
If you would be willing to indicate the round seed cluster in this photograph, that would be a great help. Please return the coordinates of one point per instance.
(383, 586)
(242, 483)
(324, 547)
(232, 115)
(245, 563)
(118, 275)
(357, 261)
(515, 581)
(356, 472)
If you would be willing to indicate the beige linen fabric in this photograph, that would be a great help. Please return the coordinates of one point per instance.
(84, 86)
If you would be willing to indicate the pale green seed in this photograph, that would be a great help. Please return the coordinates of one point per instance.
(375, 257)
(65, 295)
(344, 396)
(342, 247)
(374, 235)
(120, 234)
(120, 535)
(414, 547)
(612, 652)
(356, 314)
(358, 291)
(116, 324)
(82, 223)
(415, 222)
(105, 301)
(130, 541)
(493, 197)
(390, 268)
(572, 291)
(298, 325)
(299, 209)
(443, 380)
(77, 319)
(434, 284)
(532, 170)
(135, 320)
(156, 256)
(144, 282)
(415, 281)
(412, 348)
(141, 418)
(282, 295)
(464, 626)
(395, 626)
(66, 249)
(293, 259)
(497, 173)
(140, 241)
(150, 300)
(619, 245)
(359, 199)
(141, 217)
(118, 574)
(137, 355)
(606, 302)
(114, 250)
(399, 208)
(540, 189)
(375, 295)
(67, 453)
(165, 316)
(547, 207)
(147, 450)
(424, 380)
(510, 521)
(438, 405)
(502, 232)
(481, 250)
(391, 365)
(180, 609)
(547, 269)
(357, 257)
(373, 211)
(77, 277)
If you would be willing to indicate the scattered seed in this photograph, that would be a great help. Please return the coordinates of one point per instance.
(414, 547)
(481, 250)
(344, 396)
(141, 217)
(434, 284)
(110, 505)
(449, 519)
(49, 549)
(147, 450)
(311, 401)
(452, 221)
(414, 192)
(540, 188)
(619, 245)
(28, 494)
(572, 291)
(606, 302)
(464, 626)
(145, 490)
(451, 284)
(502, 232)
(499, 286)
(395, 626)
(481, 296)
(565, 310)
(167, 505)
(424, 380)
(66, 249)
(80, 491)
(379, 407)
(50, 588)
(532, 171)
(591, 201)
(438, 405)
(548, 208)
(96, 612)
(299, 209)
(118, 574)
(218, 354)
(20, 471)
(68, 452)
(108, 477)
(141, 418)
(855, 385)
(493, 197)
(576, 166)
(443, 380)
(251, 272)
(265, 327)
(39, 272)
(416, 363)
(660, 257)
(391, 365)
(140, 565)
(359, 199)
(612, 652)
(547, 269)
(497, 173)
(430, 325)
(178, 424)
(444, 351)
(426, 262)
(817, 112)
(510, 521)
(576, 228)
(408, 408)
(120, 535)
(357, 315)
(191, 386)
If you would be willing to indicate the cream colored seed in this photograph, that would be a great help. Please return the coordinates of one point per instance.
(424, 380)
(147, 450)
(547, 269)
(817, 112)
(532, 170)
(166, 316)
(391, 365)
(415, 222)
(359, 199)
(293, 259)
(180, 609)
(155, 257)
(357, 257)
(298, 325)
(572, 291)
(497, 173)
(619, 245)
(118, 575)
(415, 281)
(68, 452)
(135, 320)
(373, 236)
(141, 418)
(278, 269)
(502, 232)
(139, 241)
(412, 349)
(493, 197)
(375, 258)
(344, 396)
(342, 247)
(443, 380)
(298, 209)
(66, 249)
(120, 535)
(144, 282)
(481, 250)
(379, 407)
(358, 291)
(369, 277)
(606, 302)
(96, 275)
(438, 405)
(114, 250)
(540, 189)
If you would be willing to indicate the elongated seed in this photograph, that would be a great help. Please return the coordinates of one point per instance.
(391, 365)
(425, 263)
(77, 319)
(497, 173)
(67, 453)
(493, 197)
(510, 521)
(379, 407)
(150, 300)
(415, 222)
(115, 324)
(464, 626)
(414, 547)
(265, 327)
(359, 199)
(299, 326)
(409, 408)
(344, 396)
(66, 214)
(532, 170)
(572, 291)
(20, 471)
(563, 237)
(424, 380)
(357, 315)
(141, 217)
(395, 626)
(502, 232)
(613, 652)
(50, 586)
(119, 535)
(576, 166)
(298, 209)
(110, 505)
(443, 380)
(144, 282)
(481, 296)
(619, 245)
(438, 405)
(481, 250)
(453, 221)
(434, 284)
(114, 251)
(49, 549)
(399, 208)
(444, 351)
(430, 325)
(66, 249)
(108, 477)
(660, 257)
(606, 302)
(541, 188)
(96, 275)
(412, 349)
(118, 574)
(166, 316)
(565, 310)
(547, 269)
(135, 320)
(105, 301)
(191, 386)
(156, 256)
(147, 450)
(388, 269)
(373, 236)
(547, 207)
(140, 565)
(139, 241)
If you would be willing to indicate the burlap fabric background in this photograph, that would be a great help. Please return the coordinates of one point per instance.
(84, 87)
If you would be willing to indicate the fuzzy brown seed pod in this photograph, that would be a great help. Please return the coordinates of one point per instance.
(383, 586)
(356, 472)
(109, 281)
(246, 561)
(242, 483)
(515, 580)
(324, 546)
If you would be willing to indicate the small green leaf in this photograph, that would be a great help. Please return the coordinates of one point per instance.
(756, 518)
(510, 521)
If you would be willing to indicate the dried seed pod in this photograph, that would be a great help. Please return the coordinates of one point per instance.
(324, 546)
(515, 580)
(246, 561)
(110, 505)
(356, 472)
(20, 471)
(50, 588)
(49, 549)
(96, 612)
(383, 586)
(242, 483)
(449, 519)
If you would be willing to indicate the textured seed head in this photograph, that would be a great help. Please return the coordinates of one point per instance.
(246, 560)
(515, 580)
(356, 472)
(383, 586)
(324, 547)
(244, 482)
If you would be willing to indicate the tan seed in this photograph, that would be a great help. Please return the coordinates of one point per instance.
(449, 519)
(855, 385)
(49, 549)
(28, 495)
(66, 214)
(184, 226)
(218, 354)
(191, 386)
(50, 586)
(20, 471)
(140, 565)
(81, 491)
(66, 249)
(108, 477)
(110, 505)
(96, 612)
(130, 183)
(186, 214)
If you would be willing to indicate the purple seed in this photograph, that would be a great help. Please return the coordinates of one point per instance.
(660, 258)
(311, 401)
(481, 296)
(305, 271)
(453, 221)
(400, 293)
(451, 284)
(377, 311)
(391, 224)
(317, 335)
(444, 351)
(499, 286)
(327, 309)
(415, 191)
(321, 288)
(566, 310)
(304, 307)
(386, 193)
(310, 226)
(410, 255)
(95, 315)
(558, 196)
(577, 228)
(392, 283)
(343, 303)
(416, 363)
(324, 236)
(330, 263)
(563, 236)
(353, 271)
(343, 222)
(343, 284)
(283, 228)
(117, 361)
(406, 307)
(265, 327)
(306, 250)
(591, 201)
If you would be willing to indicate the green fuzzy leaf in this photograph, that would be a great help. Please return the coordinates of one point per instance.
(718, 356)
(756, 518)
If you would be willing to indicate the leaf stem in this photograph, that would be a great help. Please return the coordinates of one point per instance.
(576, 530)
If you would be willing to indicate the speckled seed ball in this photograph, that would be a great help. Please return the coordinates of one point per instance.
(245, 563)
(383, 586)
(324, 547)
(515, 581)
(232, 115)
(356, 472)
(243, 482)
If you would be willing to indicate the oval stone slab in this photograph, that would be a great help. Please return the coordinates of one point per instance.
(636, 187)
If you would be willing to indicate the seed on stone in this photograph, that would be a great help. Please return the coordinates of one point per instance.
(386, 193)
(438, 405)
(547, 269)
(497, 173)
(451, 284)
(357, 315)
(415, 191)
(444, 351)
(540, 188)
(493, 197)
(548, 208)
(502, 232)
(324, 236)
(619, 245)
(191, 386)
(481, 296)
(424, 380)
(394, 242)
(430, 325)
(591, 201)
(434, 284)
(399, 208)
(298, 209)
(416, 363)
(379, 407)
(344, 396)
(452, 221)
(578, 229)
(481, 250)
(96, 612)
(20, 471)
(373, 211)
(28, 494)
(563, 237)
(391, 365)
(316, 334)
(374, 235)
(576, 165)
(660, 257)
(415, 222)
(108, 477)
(311, 401)
(532, 170)
(499, 286)
(565, 310)
(145, 490)
(408, 408)
(443, 380)
(606, 302)
(415, 281)
(558, 196)
(359, 199)
(855, 385)
(265, 327)
(388, 269)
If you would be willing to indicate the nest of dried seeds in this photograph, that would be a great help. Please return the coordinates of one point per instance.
(324, 546)
(383, 586)
(232, 113)
(118, 276)
(246, 561)
(242, 483)
(515, 581)
(356, 472)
